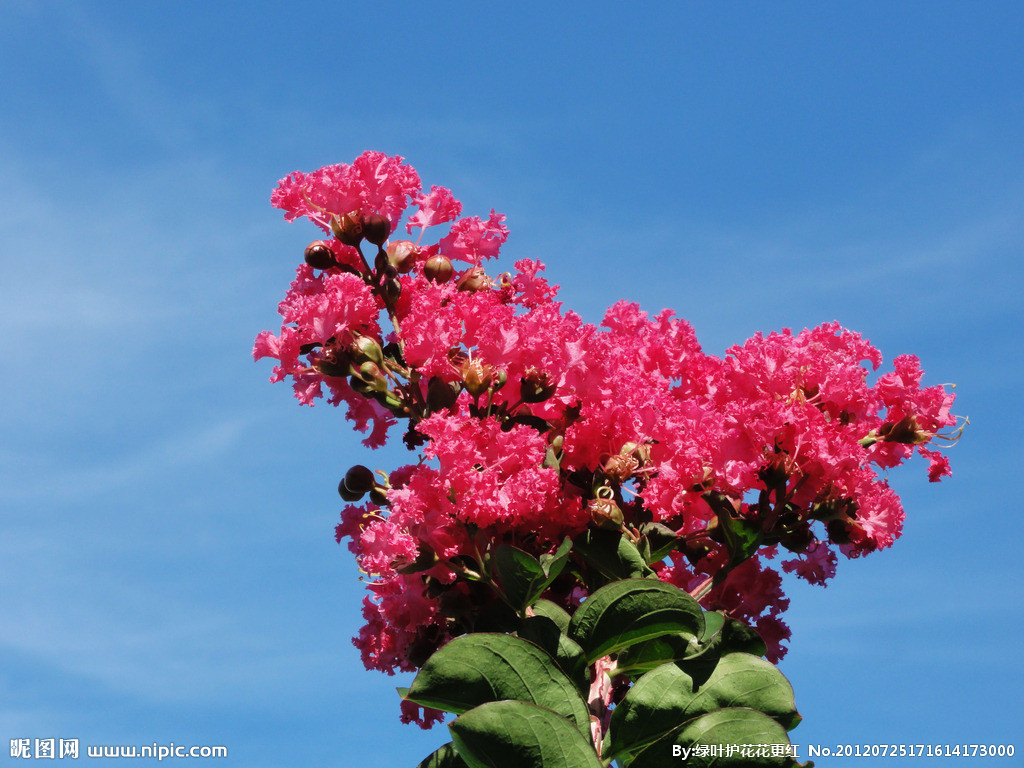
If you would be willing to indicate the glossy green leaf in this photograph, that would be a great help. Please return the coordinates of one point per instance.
(445, 757)
(672, 694)
(612, 554)
(656, 542)
(742, 537)
(627, 612)
(554, 612)
(566, 652)
(717, 739)
(474, 669)
(727, 635)
(651, 654)
(523, 577)
(514, 734)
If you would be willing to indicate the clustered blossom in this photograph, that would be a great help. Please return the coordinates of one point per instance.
(532, 425)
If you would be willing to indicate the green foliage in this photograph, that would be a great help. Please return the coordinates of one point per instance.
(514, 734)
(627, 612)
(523, 577)
(479, 668)
(698, 682)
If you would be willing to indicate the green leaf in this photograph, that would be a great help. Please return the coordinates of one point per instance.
(566, 653)
(627, 612)
(514, 734)
(664, 699)
(651, 654)
(612, 554)
(719, 731)
(742, 537)
(727, 635)
(554, 612)
(474, 669)
(657, 541)
(524, 578)
(445, 757)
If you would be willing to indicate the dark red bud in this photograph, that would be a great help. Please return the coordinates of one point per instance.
(438, 269)
(376, 229)
(319, 255)
(441, 395)
(358, 481)
(839, 531)
(390, 291)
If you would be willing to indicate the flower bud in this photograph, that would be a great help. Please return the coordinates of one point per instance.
(390, 291)
(367, 348)
(477, 377)
(402, 255)
(619, 468)
(319, 255)
(358, 481)
(474, 279)
(605, 513)
(696, 549)
(349, 228)
(905, 431)
(438, 269)
(336, 363)
(379, 496)
(536, 386)
(840, 531)
(376, 229)
(798, 540)
(441, 395)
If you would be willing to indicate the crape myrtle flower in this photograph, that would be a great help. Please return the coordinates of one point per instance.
(529, 425)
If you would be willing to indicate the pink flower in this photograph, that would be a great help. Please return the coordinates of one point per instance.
(472, 240)
(437, 207)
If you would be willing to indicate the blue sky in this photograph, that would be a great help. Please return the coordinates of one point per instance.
(168, 571)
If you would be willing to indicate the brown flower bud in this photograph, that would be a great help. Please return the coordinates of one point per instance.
(619, 468)
(402, 255)
(441, 395)
(474, 279)
(536, 386)
(376, 229)
(798, 540)
(319, 255)
(335, 363)
(438, 269)
(840, 531)
(906, 431)
(390, 291)
(349, 228)
(477, 377)
(605, 513)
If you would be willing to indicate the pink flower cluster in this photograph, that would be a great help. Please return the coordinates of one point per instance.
(533, 425)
